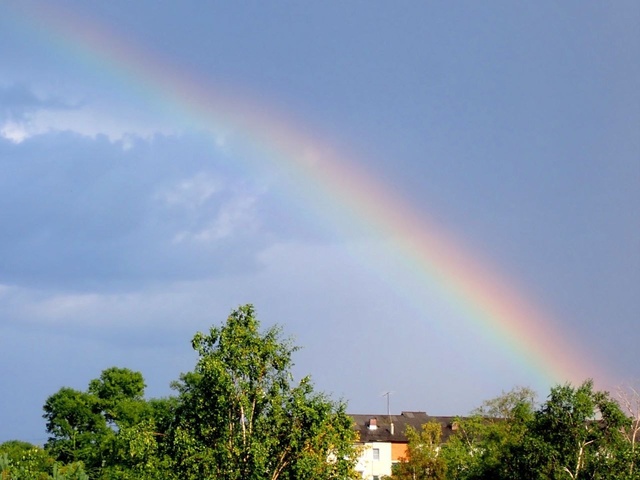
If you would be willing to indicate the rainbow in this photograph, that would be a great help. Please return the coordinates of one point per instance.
(432, 258)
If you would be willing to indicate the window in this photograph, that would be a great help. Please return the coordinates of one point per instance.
(376, 454)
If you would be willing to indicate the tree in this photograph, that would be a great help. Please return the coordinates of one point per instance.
(24, 461)
(135, 454)
(480, 442)
(576, 434)
(241, 417)
(120, 392)
(76, 426)
(629, 399)
(508, 405)
(423, 460)
(110, 428)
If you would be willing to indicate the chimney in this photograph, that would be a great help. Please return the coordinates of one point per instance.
(392, 429)
(373, 424)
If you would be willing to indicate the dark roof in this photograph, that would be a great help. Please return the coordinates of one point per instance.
(400, 422)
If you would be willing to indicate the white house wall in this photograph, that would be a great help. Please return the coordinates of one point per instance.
(370, 467)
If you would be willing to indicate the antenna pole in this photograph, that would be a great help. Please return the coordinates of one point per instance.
(388, 394)
(391, 428)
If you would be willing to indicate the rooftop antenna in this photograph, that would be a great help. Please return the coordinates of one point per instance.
(387, 394)
(391, 426)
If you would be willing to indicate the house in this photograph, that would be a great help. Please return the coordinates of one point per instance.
(383, 440)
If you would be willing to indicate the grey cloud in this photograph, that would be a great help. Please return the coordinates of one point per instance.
(18, 100)
(81, 213)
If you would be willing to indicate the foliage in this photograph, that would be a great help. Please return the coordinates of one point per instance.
(120, 392)
(110, 428)
(423, 461)
(477, 448)
(25, 457)
(629, 399)
(577, 434)
(24, 461)
(75, 425)
(241, 416)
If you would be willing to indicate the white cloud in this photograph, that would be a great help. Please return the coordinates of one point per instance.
(92, 121)
(31, 110)
(64, 307)
(221, 139)
(234, 216)
(14, 131)
(192, 192)
(94, 312)
(211, 210)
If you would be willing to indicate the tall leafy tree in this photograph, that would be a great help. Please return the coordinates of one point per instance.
(577, 434)
(629, 399)
(76, 426)
(110, 428)
(120, 394)
(241, 416)
(423, 460)
(480, 441)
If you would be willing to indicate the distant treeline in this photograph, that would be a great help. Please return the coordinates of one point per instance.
(577, 433)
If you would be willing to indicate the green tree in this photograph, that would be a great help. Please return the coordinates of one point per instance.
(629, 399)
(26, 456)
(110, 428)
(24, 461)
(76, 426)
(577, 434)
(423, 460)
(477, 448)
(132, 449)
(120, 392)
(241, 416)
(135, 454)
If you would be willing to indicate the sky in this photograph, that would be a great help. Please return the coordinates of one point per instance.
(440, 200)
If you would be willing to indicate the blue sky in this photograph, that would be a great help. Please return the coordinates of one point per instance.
(124, 229)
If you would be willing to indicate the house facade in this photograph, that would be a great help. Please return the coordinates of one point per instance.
(383, 441)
